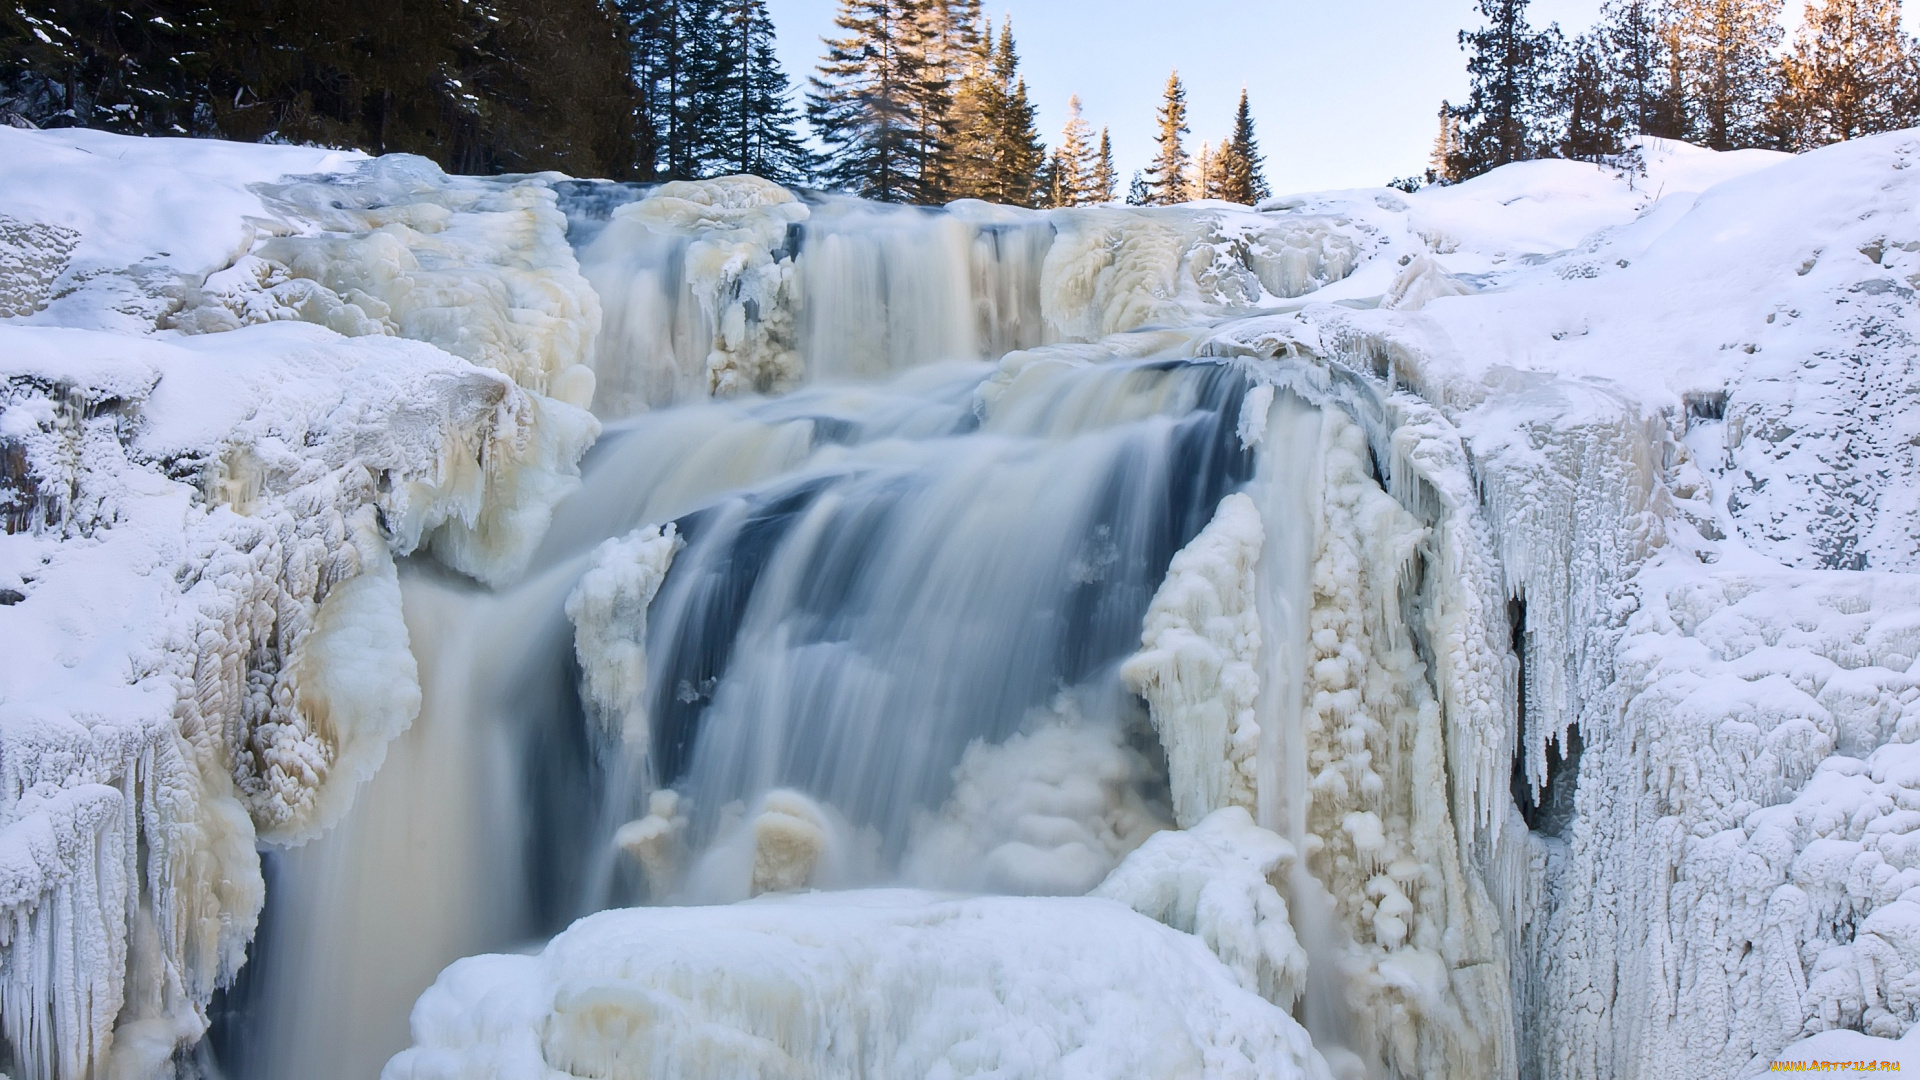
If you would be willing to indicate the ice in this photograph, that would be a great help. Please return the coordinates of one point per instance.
(878, 984)
(1048, 812)
(1196, 667)
(206, 643)
(1220, 881)
(608, 610)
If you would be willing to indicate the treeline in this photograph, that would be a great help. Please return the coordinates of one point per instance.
(479, 86)
(915, 100)
(1711, 72)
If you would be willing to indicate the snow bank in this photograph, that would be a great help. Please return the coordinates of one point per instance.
(206, 649)
(885, 984)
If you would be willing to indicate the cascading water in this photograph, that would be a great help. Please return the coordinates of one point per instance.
(867, 632)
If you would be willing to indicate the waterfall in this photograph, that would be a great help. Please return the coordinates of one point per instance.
(878, 583)
(842, 603)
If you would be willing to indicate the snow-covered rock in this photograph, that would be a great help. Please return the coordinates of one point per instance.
(204, 494)
(880, 984)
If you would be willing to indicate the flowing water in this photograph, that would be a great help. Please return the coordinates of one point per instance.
(918, 553)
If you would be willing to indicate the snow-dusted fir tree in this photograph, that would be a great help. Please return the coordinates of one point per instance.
(1847, 75)
(1725, 53)
(1510, 65)
(756, 117)
(1242, 168)
(1105, 178)
(134, 68)
(865, 103)
(1167, 177)
(1074, 162)
(1139, 190)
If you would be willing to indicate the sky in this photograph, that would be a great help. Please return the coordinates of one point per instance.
(1345, 93)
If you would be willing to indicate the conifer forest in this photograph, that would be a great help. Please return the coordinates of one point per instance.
(918, 101)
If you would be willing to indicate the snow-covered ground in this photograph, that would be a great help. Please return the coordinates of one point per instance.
(1627, 452)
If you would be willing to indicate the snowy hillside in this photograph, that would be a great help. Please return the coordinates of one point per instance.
(1477, 631)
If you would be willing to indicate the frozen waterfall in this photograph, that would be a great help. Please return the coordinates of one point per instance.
(472, 627)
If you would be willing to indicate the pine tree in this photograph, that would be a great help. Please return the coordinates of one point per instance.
(1167, 177)
(1725, 55)
(1139, 192)
(1672, 111)
(1074, 162)
(1242, 167)
(865, 102)
(1592, 124)
(756, 120)
(1105, 179)
(1845, 74)
(1510, 66)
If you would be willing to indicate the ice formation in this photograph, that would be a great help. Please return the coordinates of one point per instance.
(881, 984)
(1049, 812)
(1197, 668)
(608, 610)
(1517, 578)
(208, 526)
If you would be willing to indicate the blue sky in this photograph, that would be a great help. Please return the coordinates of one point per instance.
(1344, 92)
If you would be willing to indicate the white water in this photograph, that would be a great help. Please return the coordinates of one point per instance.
(887, 647)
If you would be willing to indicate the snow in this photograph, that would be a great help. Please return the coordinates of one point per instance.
(876, 984)
(206, 649)
(1624, 452)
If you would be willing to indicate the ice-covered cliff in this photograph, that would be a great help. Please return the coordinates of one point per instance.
(1475, 630)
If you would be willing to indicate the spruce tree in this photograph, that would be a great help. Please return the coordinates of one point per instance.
(1242, 167)
(994, 152)
(1592, 124)
(756, 116)
(954, 37)
(1630, 42)
(967, 164)
(1446, 147)
(1510, 66)
(1139, 192)
(1105, 179)
(1845, 74)
(1074, 162)
(1167, 177)
(1019, 156)
(134, 66)
(866, 101)
(1725, 53)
